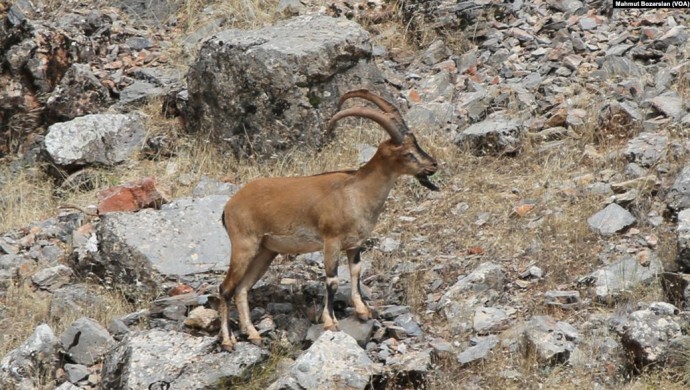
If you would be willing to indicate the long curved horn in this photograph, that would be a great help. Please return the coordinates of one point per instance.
(386, 120)
(384, 105)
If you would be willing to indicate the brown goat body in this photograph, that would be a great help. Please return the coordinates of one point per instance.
(332, 212)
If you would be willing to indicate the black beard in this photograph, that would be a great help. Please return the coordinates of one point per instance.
(424, 180)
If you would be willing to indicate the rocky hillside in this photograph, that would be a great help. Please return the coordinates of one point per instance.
(557, 253)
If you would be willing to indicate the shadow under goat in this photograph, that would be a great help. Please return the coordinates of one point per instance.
(333, 212)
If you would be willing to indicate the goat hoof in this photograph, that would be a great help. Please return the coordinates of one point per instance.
(229, 347)
(332, 328)
(255, 340)
(366, 316)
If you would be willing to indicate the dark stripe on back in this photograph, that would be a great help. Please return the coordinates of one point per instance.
(348, 172)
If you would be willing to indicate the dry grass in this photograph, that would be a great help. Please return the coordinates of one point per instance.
(26, 197)
(553, 235)
(28, 307)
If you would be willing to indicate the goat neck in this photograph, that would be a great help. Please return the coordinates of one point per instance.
(376, 179)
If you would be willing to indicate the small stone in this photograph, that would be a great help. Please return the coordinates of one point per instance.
(683, 239)
(562, 299)
(396, 332)
(52, 278)
(393, 311)
(118, 329)
(76, 372)
(441, 348)
(435, 53)
(678, 197)
(588, 23)
(551, 340)
(204, 319)
(624, 275)
(361, 331)
(573, 61)
(479, 351)
(670, 104)
(490, 320)
(407, 322)
(207, 186)
(389, 245)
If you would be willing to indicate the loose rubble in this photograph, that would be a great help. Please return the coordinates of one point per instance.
(536, 78)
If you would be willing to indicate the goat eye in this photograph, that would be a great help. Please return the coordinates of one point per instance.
(410, 156)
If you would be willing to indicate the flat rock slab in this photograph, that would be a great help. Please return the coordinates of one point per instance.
(625, 275)
(647, 148)
(105, 139)
(86, 341)
(670, 104)
(480, 349)
(334, 361)
(270, 89)
(184, 237)
(492, 136)
(611, 220)
(175, 359)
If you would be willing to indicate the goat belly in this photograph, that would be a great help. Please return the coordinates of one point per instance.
(302, 241)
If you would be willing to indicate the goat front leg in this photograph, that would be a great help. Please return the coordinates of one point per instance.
(331, 250)
(361, 309)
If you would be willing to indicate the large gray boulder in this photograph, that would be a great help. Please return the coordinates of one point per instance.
(184, 237)
(646, 334)
(104, 139)
(145, 360)
(270, 89)
(19, 369)
(334, 361)
(79, 93)
(86, 341)
(625, 275)
(482, 287)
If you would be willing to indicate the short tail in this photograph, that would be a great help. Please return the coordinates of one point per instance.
(222, 219)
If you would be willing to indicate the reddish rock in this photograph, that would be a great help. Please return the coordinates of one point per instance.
(131, 196)
(180, 289)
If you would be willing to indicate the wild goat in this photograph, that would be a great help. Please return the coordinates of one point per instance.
(333, 212)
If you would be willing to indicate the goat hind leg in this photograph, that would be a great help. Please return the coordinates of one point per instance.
(242, 256)
(228, 339)
(258, 268)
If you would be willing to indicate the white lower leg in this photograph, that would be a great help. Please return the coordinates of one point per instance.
(328, 316)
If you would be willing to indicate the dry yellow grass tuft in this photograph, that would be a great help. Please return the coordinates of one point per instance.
(27, 307)
(26, 197)
(472, 219)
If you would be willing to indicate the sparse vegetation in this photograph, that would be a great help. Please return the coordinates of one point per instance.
(553, 234)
